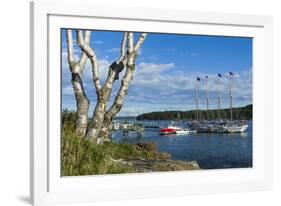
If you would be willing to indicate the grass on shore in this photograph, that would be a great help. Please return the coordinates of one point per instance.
(81, 157)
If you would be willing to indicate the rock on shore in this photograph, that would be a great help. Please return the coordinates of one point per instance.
(159, 161)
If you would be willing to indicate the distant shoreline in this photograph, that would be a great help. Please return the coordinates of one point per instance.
(239, 113)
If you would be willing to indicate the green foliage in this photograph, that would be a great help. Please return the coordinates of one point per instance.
(82, 157)
(238, 113)
(68, 116)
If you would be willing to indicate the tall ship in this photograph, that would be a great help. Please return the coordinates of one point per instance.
(219, 125)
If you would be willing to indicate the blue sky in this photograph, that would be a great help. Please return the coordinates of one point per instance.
(166, 71)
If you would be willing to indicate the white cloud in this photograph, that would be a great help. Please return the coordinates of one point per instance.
(98, 42)
(103, 70)
(67, 90)
(164, 85)
(157, 87)
(113, 50)
(152, 67)
(132, 111)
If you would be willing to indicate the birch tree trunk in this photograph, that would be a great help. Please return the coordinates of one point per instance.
(76, 68)
(98, 127)
(95, 125)
(123, 90)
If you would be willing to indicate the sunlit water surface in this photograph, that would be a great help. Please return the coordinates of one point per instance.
(211, 151)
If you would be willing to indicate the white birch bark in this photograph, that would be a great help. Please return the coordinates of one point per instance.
(97, 130)
(123, 90)
(103, 93)
(95, 124)
(115, 68)
(86, 48)
(76, 68)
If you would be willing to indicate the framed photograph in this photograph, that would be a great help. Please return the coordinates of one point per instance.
(126, 105)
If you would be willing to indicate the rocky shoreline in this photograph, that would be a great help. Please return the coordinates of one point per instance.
(159, 161)
(81, 157)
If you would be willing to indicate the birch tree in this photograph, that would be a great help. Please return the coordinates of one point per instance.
(76, 68)
(98, 128)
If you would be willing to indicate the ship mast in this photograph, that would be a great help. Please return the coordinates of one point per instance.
(230, 94)
(207, 98)
(196, 98)
(218, 97)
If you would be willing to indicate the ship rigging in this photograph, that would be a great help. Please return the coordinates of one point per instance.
(219, 125)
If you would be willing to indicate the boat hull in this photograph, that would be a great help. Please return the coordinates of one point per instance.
(182, 132)
(169, 130)
(167, 133)
(236, 129)
(174, 130)
(220, 127)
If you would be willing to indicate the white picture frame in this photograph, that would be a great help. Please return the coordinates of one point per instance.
(47, 186)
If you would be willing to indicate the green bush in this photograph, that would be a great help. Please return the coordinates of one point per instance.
(81, 157)
(68, 116)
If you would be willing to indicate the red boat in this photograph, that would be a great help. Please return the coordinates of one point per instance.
(169, 130)
(175, 130)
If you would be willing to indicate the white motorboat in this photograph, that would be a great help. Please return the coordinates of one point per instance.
(182, 131)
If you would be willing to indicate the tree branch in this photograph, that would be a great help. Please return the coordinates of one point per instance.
(77, 66)
(139, 42)
(123, 47)
(123, 90)
(99, 126)
(92, 56)
(115, 68)
(83, 57)
(70, 52)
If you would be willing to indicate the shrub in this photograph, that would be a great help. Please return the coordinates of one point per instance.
(81, 157)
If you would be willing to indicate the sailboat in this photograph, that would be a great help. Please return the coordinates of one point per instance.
(231, 126)
(218, 126)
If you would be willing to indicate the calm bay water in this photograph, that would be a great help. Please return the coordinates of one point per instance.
(211, 151)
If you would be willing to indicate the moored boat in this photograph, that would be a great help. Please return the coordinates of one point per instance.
(183, 131)
(174, 130)
(169, 130)
(220, 125)
(239, 127)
